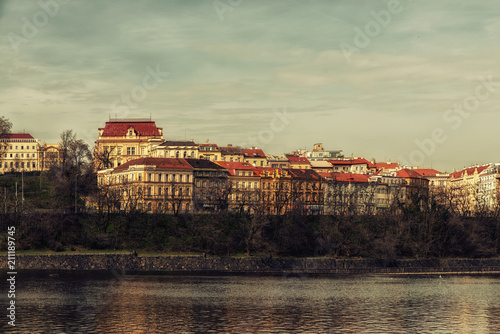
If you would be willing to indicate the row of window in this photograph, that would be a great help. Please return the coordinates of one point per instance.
(11, 155)
(17, 164)
(22, 147)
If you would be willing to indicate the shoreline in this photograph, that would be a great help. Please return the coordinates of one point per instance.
(198, 264)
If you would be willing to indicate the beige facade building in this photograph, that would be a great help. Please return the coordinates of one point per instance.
(175, 149)
(19, 153)
(122, 140)
(153, 185)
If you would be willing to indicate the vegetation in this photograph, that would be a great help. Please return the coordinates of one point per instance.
(46, 209)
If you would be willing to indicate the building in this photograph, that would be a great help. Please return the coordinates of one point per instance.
(232, 153)
(278, 161)
(347, 193)
(353, 166)
(176, 149)
(298, 162)
(210, 152)
(489, 190)
(19, 153)
(49, 155)
(386, 168)
(254, 156)
(211, 187)
(321, 166)
(245, 185)
(153, 185)
(462, 190)
(318, 153)
(122, 140)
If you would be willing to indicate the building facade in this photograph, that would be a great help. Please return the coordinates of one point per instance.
(123, 140)
(19, 153)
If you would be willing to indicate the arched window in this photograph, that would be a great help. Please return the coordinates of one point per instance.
(150, 206)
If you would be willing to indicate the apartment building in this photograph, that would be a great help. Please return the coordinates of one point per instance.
(19, 153)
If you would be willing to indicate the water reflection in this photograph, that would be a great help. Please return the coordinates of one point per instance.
(101, 303)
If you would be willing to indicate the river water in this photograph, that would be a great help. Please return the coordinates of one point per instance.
(110, 302)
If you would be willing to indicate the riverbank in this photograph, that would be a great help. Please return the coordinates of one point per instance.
(232, 265)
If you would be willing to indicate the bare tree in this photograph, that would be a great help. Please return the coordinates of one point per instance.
(5, 127)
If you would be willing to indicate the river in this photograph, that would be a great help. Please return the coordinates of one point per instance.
(111, 302)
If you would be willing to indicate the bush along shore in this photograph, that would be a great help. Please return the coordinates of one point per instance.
(383, 237)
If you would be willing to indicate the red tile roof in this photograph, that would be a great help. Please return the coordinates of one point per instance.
(426, 172)
(17, 136)
(297, 159)
(408, 173)
(467, 171)
(386, 165)
(159, 163)
(118, 129)
(349, 177)
(253, 153)
(232, 167)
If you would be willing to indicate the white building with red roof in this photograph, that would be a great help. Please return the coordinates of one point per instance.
(19, 153)
(122, 140)
(353, 165)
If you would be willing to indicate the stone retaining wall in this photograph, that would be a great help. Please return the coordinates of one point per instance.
(130, 262)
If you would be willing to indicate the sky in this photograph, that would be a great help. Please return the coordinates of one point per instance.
(409, 81)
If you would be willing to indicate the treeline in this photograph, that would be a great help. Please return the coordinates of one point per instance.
(380, 236)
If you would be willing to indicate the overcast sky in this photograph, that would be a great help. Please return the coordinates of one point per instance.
(372, 78)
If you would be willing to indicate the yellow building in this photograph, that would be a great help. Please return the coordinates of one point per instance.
(210, 152)
(154, 185)
(20, 153)
(48, 156)
(255, 156)
(122, 140)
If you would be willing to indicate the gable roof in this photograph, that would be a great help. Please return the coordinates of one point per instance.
(253, 153)
(408, 173)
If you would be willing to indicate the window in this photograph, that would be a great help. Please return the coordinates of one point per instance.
(22, 147)
(130, 150)
(34, 165)
(119, 151)
(149, 177)
(159, 191)
(143, 151)
(149, 191)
